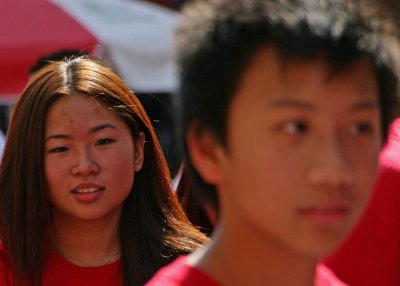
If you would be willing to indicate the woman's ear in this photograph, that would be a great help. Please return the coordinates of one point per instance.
(139, 152)
(206, 154)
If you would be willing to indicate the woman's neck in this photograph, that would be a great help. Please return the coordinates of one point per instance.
(86, 244)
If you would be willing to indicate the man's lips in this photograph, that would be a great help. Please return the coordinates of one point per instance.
(326, 212)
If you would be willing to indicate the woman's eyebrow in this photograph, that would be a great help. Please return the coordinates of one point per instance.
(91, 130)
(58, 136)
(101, 126)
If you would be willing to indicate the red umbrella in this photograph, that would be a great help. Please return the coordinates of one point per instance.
(30, 29)
(132, 36)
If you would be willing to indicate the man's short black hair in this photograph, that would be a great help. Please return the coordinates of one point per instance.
(216, 39)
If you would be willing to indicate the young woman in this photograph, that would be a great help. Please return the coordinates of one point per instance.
(85, 192)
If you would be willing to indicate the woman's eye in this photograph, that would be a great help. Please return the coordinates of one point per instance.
(104, 141)
(361, 128)
(295, 127)
(58, 150)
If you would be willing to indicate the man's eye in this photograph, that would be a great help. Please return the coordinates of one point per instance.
(295, 127)
(361, 128)
(104, 141)
(58, 150)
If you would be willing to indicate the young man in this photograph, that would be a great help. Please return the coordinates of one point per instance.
(284, 107)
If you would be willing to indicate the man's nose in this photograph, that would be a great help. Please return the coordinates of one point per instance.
(331, 165)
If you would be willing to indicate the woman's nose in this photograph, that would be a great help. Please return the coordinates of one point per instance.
(85, 164)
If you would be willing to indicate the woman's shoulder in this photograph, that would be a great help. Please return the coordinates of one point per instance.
(59, 271)
(4, 256)
(6, 272)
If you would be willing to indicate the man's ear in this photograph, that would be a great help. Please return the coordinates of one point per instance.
(206, 154)
(139, 152)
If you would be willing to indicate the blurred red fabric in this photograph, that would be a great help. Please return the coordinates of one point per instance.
(30, 29)
(370, 256)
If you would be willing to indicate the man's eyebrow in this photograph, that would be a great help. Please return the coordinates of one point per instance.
(91, 130)
(288, 102)
(364, 105)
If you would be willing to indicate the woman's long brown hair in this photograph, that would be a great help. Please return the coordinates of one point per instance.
(194, 207)
(153, 227)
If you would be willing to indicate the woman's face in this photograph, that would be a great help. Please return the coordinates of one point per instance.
(90, 159)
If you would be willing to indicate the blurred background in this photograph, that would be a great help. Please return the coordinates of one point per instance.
(133, 37)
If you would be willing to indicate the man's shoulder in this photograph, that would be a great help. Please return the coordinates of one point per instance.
(180, 273)
(325, 277)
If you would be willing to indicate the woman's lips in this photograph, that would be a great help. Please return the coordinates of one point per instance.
(87, 192)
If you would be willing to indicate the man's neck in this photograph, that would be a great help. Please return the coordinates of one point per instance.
(245, 259)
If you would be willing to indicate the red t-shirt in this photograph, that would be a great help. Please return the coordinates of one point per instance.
(180, 273)
(370, 256)
(61, 272)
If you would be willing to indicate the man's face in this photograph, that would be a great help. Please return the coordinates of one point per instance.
(301, 152)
